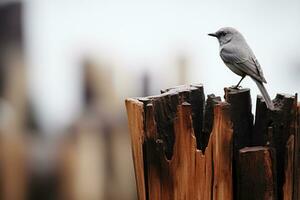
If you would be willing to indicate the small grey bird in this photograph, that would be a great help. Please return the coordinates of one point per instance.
(238, 56)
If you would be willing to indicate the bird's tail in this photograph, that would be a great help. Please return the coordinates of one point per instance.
(265, 94)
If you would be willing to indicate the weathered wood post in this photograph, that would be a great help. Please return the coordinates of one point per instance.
(171, 159)
(278, 130)
(187, 148)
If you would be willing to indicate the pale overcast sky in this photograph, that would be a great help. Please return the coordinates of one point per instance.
(134, 36)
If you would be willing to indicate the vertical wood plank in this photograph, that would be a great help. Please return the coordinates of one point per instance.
(222, 153)
(135, 113)
(289, 169)
(282, 122)
(255, 176)
(242, 120)
(297, 157)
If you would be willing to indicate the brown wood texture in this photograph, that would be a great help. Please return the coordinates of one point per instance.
(289, 169)
(181, 170)
(187, 148)
(297, 157)
(182, 176)
(135, 113)
(242, 120)
(241, 115)
(274, 128)
(256, 174)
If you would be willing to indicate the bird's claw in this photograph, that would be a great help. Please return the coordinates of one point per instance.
(236, 87)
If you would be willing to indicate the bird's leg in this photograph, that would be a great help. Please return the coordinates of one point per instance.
(239, 82)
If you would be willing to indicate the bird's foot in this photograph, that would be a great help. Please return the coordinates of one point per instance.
(236, 87)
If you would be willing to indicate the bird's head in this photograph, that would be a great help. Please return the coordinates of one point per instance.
(225, 35)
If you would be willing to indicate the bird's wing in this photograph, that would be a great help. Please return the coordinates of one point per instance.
(243, 60)
(258, 67)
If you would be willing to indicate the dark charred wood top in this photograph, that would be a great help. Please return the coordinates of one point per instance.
(241, 115)
(165, 109)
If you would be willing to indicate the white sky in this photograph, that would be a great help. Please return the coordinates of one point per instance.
(135, 36)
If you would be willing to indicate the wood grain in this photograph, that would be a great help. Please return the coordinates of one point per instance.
(274, 128)
(256, 174)
(242, 120)
(189, 173)
(297, 157)
(135, 113)
(182, 176)
(187, 148)
(289, 169)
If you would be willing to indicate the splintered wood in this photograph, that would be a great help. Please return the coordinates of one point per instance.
(186, 147)
(167, 162)
(278, 129)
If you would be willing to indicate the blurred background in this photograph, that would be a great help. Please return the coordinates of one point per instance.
(66, 68)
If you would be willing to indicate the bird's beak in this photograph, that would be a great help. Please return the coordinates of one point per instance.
(213, 34)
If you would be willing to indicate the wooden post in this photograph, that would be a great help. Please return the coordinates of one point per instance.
(14, 176)
(297, 157)
(187, 148)
(241, 115)
(136, 128)
(167, 161)
(274, 128)
(242, 119)
(289, 169)
(256, 174)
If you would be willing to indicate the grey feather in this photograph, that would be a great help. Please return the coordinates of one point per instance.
(238, 56)
(265, 94)
(244, 60)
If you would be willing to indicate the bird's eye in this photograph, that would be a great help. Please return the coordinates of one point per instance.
(223, 33)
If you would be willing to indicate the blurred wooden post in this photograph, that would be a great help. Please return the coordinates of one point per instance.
(186, 148)
(13, 145)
